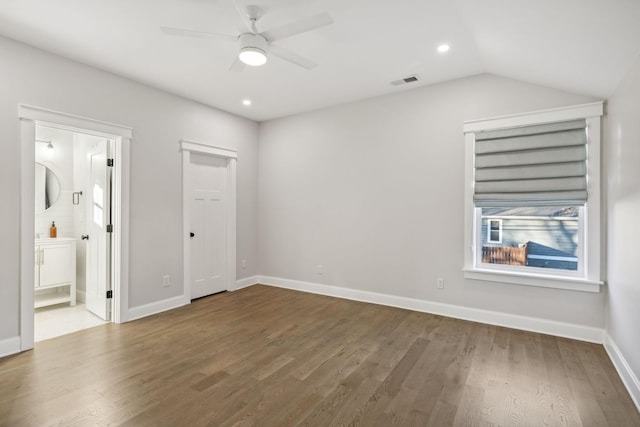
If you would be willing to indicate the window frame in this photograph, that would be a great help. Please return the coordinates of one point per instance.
(590, 254)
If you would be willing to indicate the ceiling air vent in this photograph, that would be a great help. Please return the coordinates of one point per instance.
(404, 81)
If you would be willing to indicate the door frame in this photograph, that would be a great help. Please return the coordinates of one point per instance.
(231, 157)
(30, 116)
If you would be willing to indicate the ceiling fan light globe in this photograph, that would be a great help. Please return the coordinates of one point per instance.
(252, 56)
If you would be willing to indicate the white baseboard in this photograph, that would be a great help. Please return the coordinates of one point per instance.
(629, 378)
(9, 346)
(246, 282)
(155, 307)
(81, 296)
(532, 324)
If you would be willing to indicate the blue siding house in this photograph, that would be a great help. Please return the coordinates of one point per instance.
(548, 235)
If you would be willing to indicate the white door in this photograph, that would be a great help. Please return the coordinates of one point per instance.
(208, 225)
(98, 280)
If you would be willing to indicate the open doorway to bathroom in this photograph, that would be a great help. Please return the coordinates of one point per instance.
(111, 295)
(72, 239)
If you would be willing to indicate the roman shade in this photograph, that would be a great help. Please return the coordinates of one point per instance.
(540, 165)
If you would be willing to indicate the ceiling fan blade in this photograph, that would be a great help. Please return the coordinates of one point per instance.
(237, 65)
(298, 27)
(199, 34)
(294, 58)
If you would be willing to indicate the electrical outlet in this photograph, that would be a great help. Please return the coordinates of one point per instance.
(243, 263)
(166, 281)
(320, 268)
(440, 283)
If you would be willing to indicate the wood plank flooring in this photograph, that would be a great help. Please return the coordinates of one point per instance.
(273, 357)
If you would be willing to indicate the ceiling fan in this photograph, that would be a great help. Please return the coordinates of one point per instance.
(254, 45)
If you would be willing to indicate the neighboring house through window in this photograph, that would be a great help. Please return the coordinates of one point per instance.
(544, 237)
(533, 198)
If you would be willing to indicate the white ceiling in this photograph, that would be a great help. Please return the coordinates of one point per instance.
(582, 46)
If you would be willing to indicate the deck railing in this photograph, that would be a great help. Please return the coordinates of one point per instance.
(504, 255)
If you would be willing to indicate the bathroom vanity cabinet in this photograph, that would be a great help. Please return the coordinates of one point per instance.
(55, 271)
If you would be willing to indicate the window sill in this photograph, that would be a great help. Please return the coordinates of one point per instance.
(557, 282)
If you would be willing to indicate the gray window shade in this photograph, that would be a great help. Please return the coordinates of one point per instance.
(541, 165)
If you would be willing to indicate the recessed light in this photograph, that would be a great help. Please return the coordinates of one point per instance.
(246, 102)
(443, 48)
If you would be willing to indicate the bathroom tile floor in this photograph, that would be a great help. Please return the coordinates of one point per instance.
(61, 319)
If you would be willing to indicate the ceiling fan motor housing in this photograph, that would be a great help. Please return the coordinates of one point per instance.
(256, 41)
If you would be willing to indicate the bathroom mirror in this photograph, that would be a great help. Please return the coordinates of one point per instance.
(47, 188)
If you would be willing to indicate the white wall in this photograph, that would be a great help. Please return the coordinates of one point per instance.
(373, 191)
(159, 120)
(623, 159)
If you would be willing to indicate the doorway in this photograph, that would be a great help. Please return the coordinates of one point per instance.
(94, 192)
(209, 219)
(73, 193)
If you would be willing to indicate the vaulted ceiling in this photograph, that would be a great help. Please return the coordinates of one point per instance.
(582, 46)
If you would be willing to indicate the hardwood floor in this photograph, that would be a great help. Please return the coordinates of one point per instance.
(274, 357)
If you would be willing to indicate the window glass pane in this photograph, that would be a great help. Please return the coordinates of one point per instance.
(494, 231)
(543, 237)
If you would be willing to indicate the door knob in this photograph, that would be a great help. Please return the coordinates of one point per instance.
(85, 237)
(192, 234)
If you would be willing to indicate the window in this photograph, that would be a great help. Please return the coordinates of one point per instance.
(494, 229)
(533, 198)
(540, 237)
